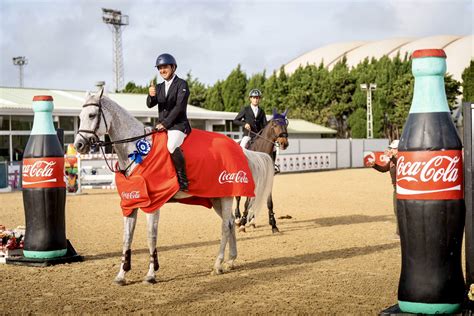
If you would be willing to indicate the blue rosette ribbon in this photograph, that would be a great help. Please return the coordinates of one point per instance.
(143, 149)
(136, 157)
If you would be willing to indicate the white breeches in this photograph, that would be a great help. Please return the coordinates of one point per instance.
(175, 139)
(244, 141)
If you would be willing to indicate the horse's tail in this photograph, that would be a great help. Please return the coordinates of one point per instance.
(261, 165)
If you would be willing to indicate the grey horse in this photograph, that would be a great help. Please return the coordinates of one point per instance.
(101, 115)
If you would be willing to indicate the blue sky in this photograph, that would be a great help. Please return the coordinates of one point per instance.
(69, 47)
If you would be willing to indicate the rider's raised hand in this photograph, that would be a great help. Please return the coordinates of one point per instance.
(152, 89)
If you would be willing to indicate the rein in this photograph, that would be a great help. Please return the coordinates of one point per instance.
(275, 143)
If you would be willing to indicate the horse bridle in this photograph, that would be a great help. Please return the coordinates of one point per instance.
(102, 144)
(101, 115)
(280, 122)
(97, 141)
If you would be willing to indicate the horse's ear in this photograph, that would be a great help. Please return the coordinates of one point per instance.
(88, 94)
(105, 91)
(274, 112)
(101, 92)
(285, 113)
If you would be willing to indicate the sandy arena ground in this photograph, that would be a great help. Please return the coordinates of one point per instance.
(336, 255)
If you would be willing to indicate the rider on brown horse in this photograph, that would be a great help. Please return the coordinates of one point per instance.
(252, 118)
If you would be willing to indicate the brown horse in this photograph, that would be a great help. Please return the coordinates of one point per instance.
(273, 134)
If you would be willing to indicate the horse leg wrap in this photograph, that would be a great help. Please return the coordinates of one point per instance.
(243, 220)
(127, 260)
(154, 260)
(272, 220)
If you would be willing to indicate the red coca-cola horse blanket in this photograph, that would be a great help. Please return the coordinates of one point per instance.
(215, 165)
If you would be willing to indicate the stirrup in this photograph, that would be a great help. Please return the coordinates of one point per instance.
(182, 181)
(183, 187)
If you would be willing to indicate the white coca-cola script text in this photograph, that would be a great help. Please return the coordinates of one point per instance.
(40, 168)
(236, 177)
(130, 195)
(428, 170)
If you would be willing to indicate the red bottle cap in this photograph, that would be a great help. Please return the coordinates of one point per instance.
(42, 98)
(428, 53)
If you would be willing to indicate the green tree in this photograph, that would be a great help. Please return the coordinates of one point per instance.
(402, 96)
(276, 91)
(300, 97)
(197, 91)
(234, 90)
(342, 89)
(131, 87)
(453, 90)
(257, 81)
(358, 123)
(468, 83)
(214, 100)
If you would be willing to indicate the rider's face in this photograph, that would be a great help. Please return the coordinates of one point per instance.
(255, 101)
(166, 71)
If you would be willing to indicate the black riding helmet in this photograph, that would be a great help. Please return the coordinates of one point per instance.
(166, 59)
(255, 93)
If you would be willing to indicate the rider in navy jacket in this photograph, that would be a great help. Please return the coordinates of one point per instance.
(172, 106)
(171, 96)
(251, 121)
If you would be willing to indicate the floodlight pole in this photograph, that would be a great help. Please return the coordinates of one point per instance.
(369, 87)
(20, 61)
(116, 20)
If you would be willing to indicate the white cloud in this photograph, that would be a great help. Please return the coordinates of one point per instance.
(69, 46)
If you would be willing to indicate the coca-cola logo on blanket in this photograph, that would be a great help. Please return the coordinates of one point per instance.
(130, 195)
(233, 177)
(429, 175)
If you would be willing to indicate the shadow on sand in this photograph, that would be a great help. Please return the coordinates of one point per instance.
(289, 226)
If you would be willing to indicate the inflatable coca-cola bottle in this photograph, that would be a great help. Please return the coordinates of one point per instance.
(44, 189)
(430, 200)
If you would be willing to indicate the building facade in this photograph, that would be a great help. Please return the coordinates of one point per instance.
(16, 118)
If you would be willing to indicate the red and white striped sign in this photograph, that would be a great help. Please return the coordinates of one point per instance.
(430, 175)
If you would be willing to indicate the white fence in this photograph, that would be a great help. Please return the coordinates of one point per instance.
(301, 155)
(93, 172)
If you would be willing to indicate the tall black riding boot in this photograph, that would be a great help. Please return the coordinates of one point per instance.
(180, 166)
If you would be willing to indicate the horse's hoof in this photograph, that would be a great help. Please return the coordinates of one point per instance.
(242, 229)
(228, 266)
(149, 280)
(120, 282)
(237, 221)
(275, 230)
(217, 271)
